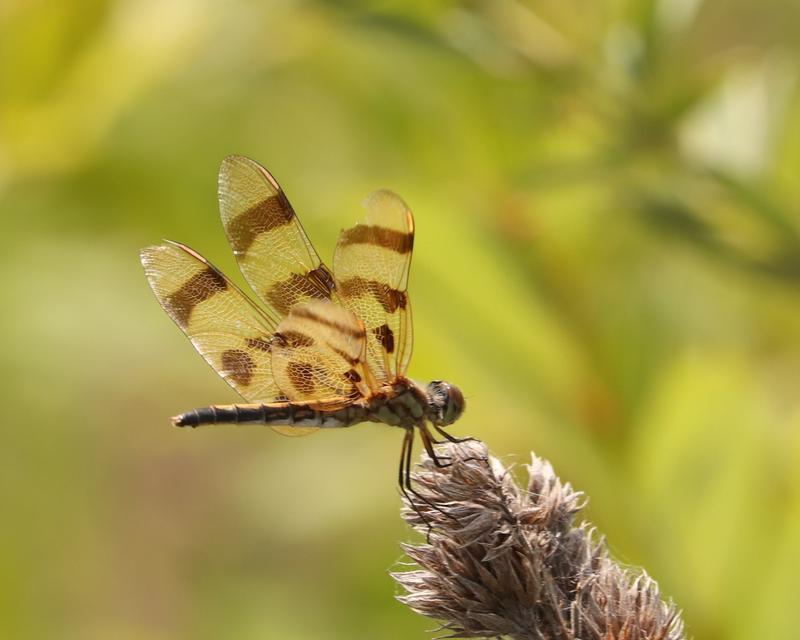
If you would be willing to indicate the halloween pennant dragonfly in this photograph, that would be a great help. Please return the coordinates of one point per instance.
(326, 348)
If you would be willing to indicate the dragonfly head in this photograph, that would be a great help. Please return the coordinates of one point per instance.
(445, 403)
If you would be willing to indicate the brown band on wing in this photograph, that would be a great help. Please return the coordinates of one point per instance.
(385, 336)
(353, 376)
(390, 299)
(291, 338)
(201, 286)
(272, 212)
(301, 375)
(345, 356)
(238, 366)
(261, 343)
(316, 284)
(304, 312)
(380, 236)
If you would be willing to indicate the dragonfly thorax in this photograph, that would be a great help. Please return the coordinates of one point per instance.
(408, 403)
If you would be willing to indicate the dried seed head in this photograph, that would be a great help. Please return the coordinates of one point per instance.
(505, 561)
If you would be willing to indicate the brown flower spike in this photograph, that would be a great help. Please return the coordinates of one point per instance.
(502, 561)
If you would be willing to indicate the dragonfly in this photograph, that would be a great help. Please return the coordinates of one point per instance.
(323, 348)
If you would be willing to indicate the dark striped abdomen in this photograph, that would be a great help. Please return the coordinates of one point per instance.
(273, 414)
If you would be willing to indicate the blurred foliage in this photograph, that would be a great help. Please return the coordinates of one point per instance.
(607, 262)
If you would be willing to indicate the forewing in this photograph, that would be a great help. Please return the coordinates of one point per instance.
(223, 324)
(272, 249)
(317, 353)
(371, 265)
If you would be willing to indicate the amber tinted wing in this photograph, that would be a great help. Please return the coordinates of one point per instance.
(226, 328)
(270, 245)
(317, 354)
(222, 323)
(371, 266)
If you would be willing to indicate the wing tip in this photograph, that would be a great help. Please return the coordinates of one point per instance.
(236, 157)
(150, 251)
(233, 161)
(386, 198)
(147, 255)
(385, 202)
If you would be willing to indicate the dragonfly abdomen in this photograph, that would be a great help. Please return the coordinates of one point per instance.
(273, 414)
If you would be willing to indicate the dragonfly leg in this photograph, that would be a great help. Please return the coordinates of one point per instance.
(428, 442)
(406, 487)
(401, 472)
(451, 438)
(459, 441)
(435, 441)
(404, 478)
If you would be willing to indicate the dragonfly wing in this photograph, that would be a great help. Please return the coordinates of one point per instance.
(225, 327)
(317, 354)
(371, 266)
(273, 251)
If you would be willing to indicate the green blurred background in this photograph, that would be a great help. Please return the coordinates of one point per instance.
(607, 262)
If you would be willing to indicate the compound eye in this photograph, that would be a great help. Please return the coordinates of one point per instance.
(446, 402)
(454, 405)
(437, 390)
